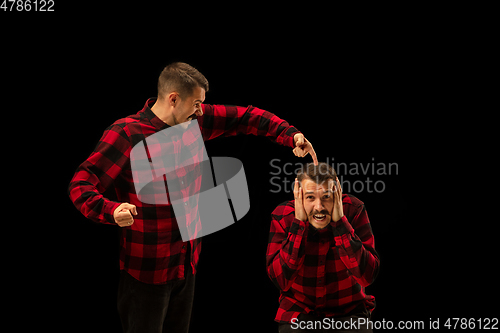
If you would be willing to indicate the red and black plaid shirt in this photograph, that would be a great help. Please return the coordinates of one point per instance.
(325, 271)
(152, 250)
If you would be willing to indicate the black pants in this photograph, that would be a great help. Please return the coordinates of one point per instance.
(147, 308)
(322, 325)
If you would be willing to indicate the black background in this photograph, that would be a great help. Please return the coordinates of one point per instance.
(358, 92)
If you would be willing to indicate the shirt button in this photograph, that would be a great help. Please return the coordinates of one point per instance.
(182, 182)
(301, 228)
(185, 204)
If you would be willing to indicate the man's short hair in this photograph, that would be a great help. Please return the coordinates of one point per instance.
(317, 173)
(181, 78)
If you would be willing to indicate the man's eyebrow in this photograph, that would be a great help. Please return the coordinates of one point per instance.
(312, 192)
(198, 100)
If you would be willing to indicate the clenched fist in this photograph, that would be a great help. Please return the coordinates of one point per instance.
(123, 214)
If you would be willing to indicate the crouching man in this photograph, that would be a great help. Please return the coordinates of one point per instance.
(321, 256)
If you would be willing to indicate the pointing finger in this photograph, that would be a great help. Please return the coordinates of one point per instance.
(313, 155)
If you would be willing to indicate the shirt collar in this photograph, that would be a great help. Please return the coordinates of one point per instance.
(153, 119)
(324, 231)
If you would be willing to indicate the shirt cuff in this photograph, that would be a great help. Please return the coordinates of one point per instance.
(342, 227)
(109, 209)
(298, 227)
(289, 142)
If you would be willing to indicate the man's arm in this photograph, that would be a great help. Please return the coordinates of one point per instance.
(286, 249)
(232, 120)
(97, 173)
(356, 246)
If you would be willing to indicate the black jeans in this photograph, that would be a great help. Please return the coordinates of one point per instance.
(320, 324)
(148, 308)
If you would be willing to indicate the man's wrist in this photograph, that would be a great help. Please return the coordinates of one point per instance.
(342, 226)
(298, 226)
(338, 219)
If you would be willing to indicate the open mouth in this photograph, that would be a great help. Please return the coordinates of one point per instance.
(319, 217)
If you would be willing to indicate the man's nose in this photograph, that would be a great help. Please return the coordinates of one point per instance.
(318, 205)
(199, 112)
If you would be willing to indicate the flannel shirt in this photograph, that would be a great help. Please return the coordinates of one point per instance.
(152, 250)
(325, 271)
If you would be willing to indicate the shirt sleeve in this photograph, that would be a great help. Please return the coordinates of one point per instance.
(356, 246)
(97, 173)
(224, 120)
(286, 248)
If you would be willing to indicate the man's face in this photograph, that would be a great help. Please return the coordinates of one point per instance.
(318, 202)
(189, 108)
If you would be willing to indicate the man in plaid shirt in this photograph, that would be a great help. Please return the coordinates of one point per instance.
(157, 268)
(321, 256)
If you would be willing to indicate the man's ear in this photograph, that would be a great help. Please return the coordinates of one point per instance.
(173, 98)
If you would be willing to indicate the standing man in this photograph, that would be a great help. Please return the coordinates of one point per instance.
(157, 268)
(321, 256)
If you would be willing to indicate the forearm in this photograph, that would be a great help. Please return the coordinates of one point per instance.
(88, 200)
(359, 257)
(286, 253)
(97, 173)
(223, 120)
